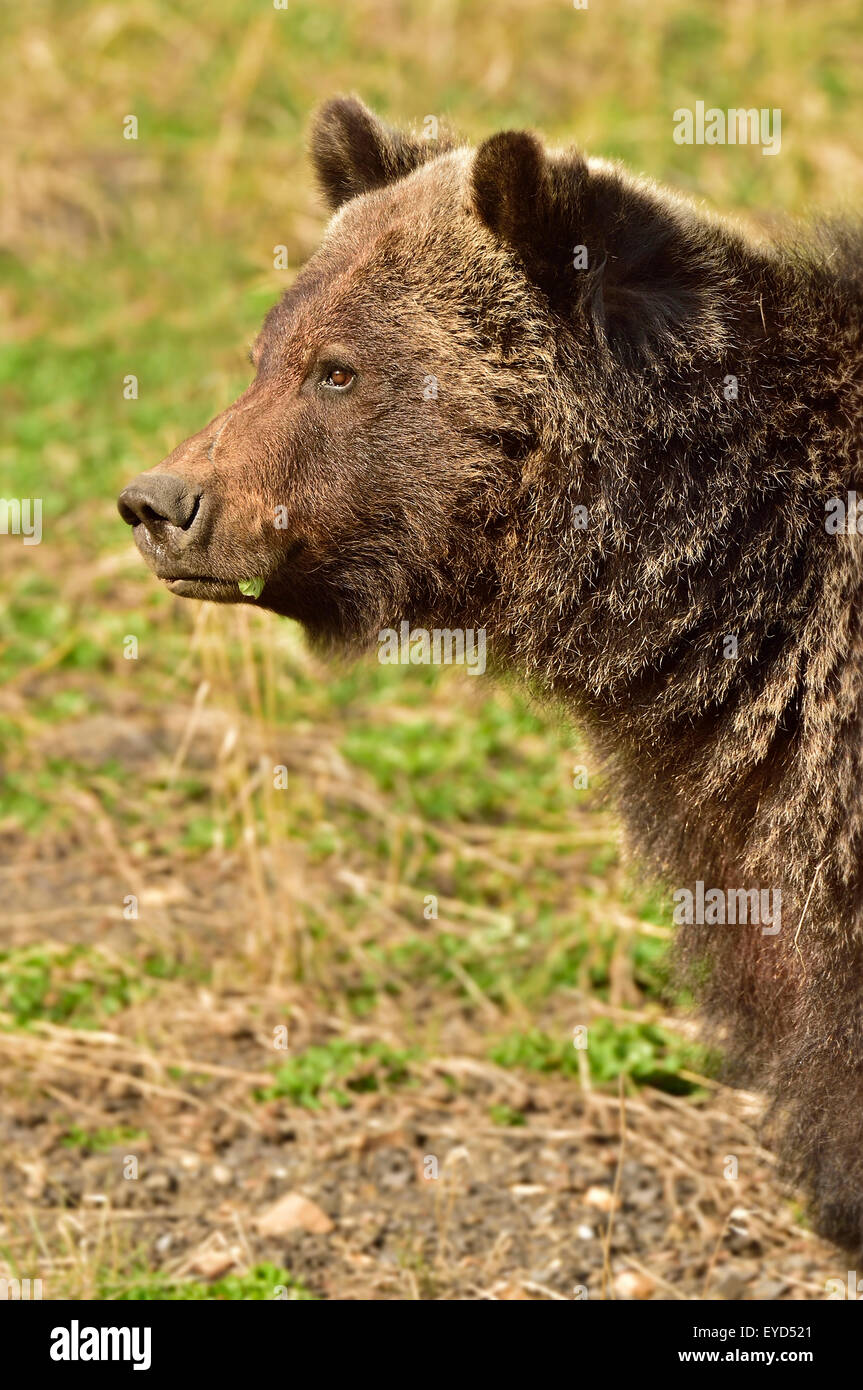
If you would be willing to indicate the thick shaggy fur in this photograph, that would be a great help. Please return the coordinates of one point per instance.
(601, 387)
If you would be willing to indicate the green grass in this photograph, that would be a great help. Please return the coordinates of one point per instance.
(100, 1140)
(263, 1282)
(338, 1071)
(643, 1052)
(506, 1115)
(76, 987)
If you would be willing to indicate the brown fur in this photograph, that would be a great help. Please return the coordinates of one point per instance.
(603, 388)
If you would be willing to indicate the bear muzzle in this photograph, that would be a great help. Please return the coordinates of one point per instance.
(171, 523)
(160, 500)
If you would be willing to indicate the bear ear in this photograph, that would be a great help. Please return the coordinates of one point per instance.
(599, 245)
(353, 151)
(520, 197)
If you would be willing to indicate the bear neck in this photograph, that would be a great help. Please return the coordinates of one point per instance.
(702, 622)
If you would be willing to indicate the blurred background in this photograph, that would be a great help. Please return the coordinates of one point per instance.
(321, 1040)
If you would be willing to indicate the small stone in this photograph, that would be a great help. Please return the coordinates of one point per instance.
(600, 1197)
(632, 1284)
(212, 1264)
(293, 1212)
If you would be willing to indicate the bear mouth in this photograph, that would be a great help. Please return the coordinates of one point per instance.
(204, 586)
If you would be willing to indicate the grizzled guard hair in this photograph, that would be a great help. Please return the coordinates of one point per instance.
(592, 378)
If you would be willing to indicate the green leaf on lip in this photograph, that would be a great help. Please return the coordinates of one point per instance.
(251, 587)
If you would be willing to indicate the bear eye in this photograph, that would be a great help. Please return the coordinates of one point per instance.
(339, 378)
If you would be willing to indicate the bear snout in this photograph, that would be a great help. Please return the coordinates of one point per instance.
(160, 500)
(171, 519)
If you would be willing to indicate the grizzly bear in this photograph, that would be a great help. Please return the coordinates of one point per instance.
(522, 391)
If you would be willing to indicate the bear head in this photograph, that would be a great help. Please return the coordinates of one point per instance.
(451, 336)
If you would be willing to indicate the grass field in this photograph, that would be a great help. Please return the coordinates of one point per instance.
(241, 992)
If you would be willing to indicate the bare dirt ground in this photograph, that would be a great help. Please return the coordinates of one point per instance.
(590, 1197)
(411, 1191)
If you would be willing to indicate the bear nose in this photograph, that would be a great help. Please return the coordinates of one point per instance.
(156, 498)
